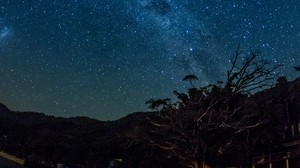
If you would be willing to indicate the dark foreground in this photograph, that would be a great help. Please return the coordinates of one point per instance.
(4, 163)
(255, 126)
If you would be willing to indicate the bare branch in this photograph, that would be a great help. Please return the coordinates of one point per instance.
(252, 74)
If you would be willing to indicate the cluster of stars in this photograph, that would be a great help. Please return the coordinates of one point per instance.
(104, 59)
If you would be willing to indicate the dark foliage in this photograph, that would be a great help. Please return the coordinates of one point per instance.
(159, 103)
(190, 78)
(218, 127)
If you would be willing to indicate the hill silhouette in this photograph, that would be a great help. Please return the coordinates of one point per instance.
(81, 141)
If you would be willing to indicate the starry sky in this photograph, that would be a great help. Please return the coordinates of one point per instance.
(104, 58)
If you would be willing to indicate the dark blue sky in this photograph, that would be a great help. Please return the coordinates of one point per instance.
(103, 58)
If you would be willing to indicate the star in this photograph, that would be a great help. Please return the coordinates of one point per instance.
(104, 59)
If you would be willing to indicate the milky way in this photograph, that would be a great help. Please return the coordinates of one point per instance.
(4, 32)
(103, 59)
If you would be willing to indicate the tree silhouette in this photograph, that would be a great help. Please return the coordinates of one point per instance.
(213, 127)
(215, 121)
(252, 74)
(190, 78)
(158, 103)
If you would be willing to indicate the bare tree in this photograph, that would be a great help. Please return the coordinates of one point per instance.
(218, 127)
(251, 75)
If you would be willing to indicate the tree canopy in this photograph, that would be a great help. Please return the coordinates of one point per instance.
(211, 123)
(190, 78)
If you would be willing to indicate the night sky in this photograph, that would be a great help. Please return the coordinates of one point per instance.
(104, 58)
